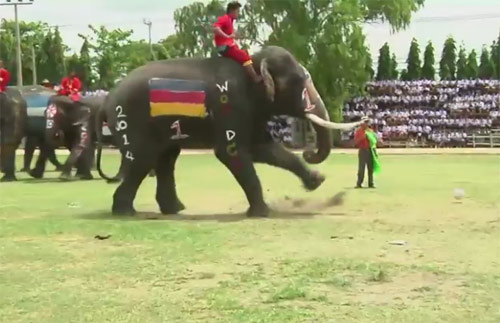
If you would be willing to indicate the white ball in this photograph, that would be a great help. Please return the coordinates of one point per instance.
(459, 193)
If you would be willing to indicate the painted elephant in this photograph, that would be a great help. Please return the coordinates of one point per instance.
(159, 107)
(37, 98)
(71, 124)
(13, 118)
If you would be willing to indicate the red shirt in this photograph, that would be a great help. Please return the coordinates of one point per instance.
(5, 76)
(70, 86)
(225, 23)
(360, 139)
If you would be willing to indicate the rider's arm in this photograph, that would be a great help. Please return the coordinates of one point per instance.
(77, 85)
(218, 31)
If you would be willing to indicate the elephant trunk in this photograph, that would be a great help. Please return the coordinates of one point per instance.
(323, 134)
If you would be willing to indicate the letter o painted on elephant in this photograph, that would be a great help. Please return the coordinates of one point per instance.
(224, 99)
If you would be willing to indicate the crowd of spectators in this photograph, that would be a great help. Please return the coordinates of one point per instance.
(280, 128)
(439, 113)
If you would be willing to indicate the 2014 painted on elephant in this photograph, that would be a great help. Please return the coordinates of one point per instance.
(122, 125)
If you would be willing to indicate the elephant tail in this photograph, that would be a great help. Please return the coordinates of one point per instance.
(101, 117)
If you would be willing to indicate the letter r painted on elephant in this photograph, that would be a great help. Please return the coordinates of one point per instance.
(223, 88)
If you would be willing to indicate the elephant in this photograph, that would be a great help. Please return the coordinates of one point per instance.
(13, 116)
(37, 98)
(159, 107)
(71, 124)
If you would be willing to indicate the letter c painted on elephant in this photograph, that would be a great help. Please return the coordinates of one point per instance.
(231, 149)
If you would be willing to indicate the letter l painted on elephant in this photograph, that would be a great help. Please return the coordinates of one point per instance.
(223, 88)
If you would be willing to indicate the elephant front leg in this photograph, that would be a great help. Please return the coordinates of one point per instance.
(240, 164)
(275, 154)
(166, 194)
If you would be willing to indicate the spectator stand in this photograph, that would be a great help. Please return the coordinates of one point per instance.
(431, 113)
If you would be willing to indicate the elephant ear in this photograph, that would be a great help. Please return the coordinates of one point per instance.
(268, 80)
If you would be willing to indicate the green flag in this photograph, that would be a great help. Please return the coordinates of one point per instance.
(372, 139)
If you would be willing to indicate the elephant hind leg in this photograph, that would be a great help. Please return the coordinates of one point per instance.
(8, 162)
(143, 160)
(166, 194)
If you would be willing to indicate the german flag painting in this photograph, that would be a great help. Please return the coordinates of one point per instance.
(173, 97)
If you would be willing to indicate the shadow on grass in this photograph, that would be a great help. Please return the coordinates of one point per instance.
(218, 217)
(53, 180)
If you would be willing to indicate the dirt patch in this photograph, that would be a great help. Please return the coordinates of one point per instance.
(408, 288)
(302, 205)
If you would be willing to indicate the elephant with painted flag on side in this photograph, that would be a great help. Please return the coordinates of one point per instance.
(160, 107)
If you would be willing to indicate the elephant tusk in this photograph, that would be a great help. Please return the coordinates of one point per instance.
(333, 125)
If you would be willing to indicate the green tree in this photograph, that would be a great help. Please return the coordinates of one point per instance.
(404, 75)
(369, 67)
(384, 63)
(447, 65)
(111, 59)
(168, 48)
(394, 67)
(194, 27)
(73, 63)
(414, 68)
(428, 70)
(322, 32)
(461, 64)
(85, 71)
(32, 35)
(495, 56)
(56, 56)
(486, 67)
(472, 70)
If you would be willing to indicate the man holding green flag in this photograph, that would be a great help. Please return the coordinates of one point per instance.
(366, 140)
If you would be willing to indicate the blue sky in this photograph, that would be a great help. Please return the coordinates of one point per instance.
(473, 22)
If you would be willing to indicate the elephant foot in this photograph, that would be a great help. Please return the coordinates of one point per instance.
(59, 168)
(172, 209)
(261, 211)
(314, 181)
(36, 173)
(122, 209)
(66, 177)
(85, 177)
(8, 178)
(24, 170)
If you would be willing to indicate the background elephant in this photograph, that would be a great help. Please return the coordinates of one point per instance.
(152, 133)
(13, 118)
(72, 125)
(37, 98)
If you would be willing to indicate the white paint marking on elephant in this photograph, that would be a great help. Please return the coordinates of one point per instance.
(129, 156)
(230, 134)
(121, 125)
(178, 135)
(50, 124)
(119, 109)
(223, 88)
(51, 111)
(125, 140)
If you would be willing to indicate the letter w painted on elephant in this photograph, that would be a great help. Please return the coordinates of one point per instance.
(223, 88)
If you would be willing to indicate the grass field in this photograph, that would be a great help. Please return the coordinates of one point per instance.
(306, 264)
